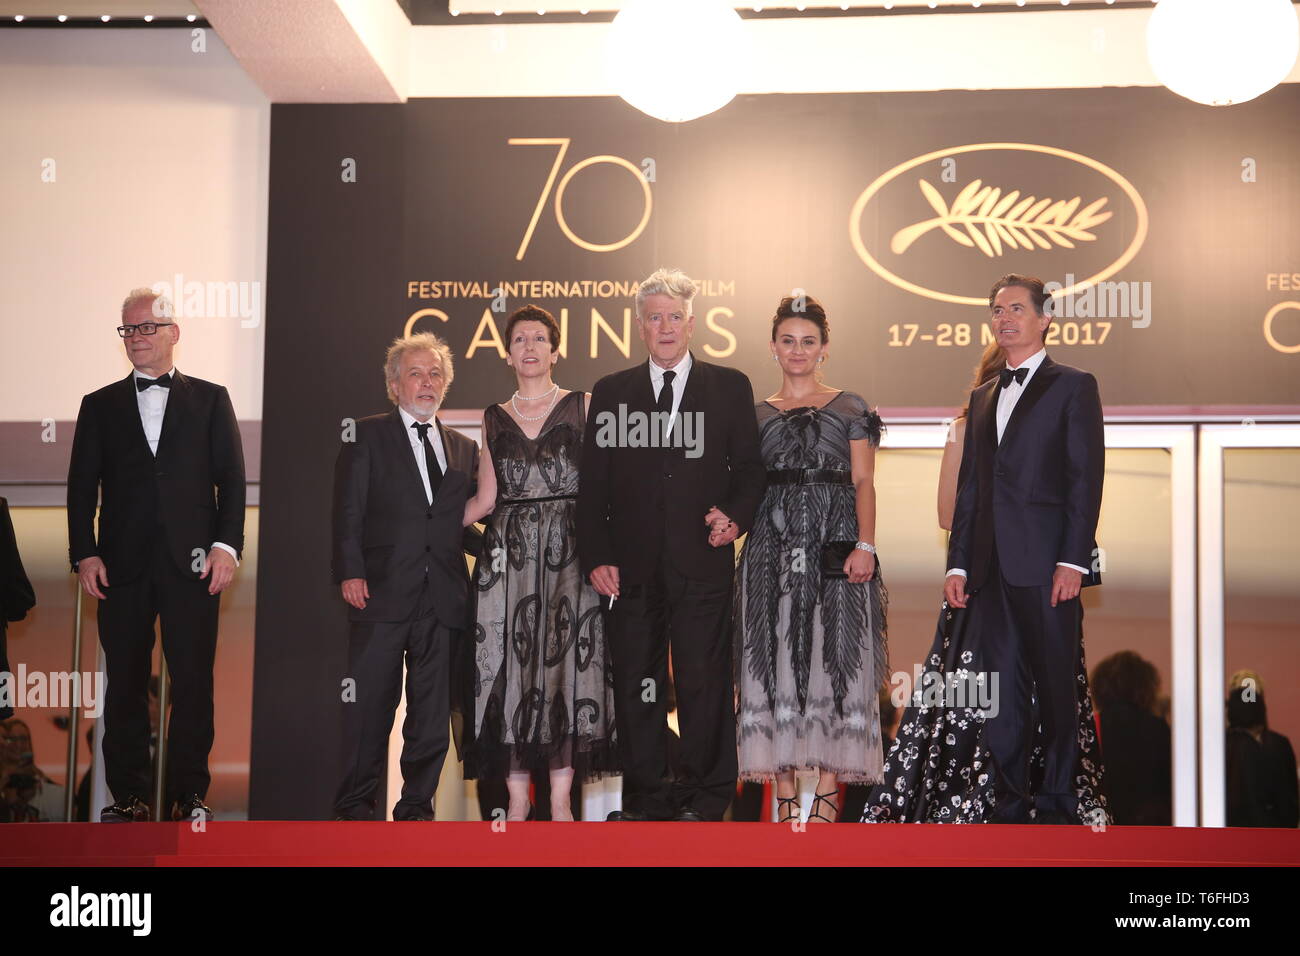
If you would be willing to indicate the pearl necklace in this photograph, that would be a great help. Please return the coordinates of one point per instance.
(553, 391)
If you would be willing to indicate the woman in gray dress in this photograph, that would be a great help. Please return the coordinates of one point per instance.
(543, 690)
(810, 644)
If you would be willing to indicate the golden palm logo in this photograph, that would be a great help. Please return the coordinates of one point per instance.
(992, 219)
(997, 223)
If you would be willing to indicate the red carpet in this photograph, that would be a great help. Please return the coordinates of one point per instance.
(634, 844)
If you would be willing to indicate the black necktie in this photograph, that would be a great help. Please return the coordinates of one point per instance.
(666, 404)
(1006, 375)
(430, 459)
(163, 381)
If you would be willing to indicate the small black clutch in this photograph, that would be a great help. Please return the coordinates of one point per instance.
(834, 554)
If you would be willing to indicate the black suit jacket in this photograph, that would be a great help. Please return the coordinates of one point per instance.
(193, 490)
(632, 502)
(385, 529)
(16, 594)
(1036, 496)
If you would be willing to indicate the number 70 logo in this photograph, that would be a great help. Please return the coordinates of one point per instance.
(643, 177)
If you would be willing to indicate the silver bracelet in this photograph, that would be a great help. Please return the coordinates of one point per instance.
(863, 546)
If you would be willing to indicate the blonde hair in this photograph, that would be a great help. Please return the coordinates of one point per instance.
(420, 342)
(671, 282)
(161, 305)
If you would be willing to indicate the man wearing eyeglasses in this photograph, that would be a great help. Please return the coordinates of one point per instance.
(163, 450)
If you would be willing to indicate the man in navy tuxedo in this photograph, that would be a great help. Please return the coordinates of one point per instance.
(1024, 541)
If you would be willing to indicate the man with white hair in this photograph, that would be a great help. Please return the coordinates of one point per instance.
(400, 487)
(658, 510)
(163, 450)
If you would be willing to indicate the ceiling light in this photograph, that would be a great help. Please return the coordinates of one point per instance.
(1220, 53)
(707, 34)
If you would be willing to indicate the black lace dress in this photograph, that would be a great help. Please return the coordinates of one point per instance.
(543, 690)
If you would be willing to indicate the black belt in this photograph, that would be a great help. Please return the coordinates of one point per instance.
(809, 476)
(533, 501)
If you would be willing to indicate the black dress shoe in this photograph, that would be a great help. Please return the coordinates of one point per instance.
(413, 818)
(130, 810)
(631, 816)
(689, 814)
(190, 806)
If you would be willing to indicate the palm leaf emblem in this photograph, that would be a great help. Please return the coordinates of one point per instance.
(992, 220)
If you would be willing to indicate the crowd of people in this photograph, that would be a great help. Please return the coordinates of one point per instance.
(606, 592)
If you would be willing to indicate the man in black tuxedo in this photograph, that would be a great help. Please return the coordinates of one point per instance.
(163, 449)
(1024, 543)
(400, 486)
(656, 521)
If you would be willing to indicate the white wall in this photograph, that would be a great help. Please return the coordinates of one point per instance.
(161, 160)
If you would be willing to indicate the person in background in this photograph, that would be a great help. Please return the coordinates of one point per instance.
(543, 691)
(16, 599)
(1260, 763)
(1135, 741)
(163, 448)
(27, 794)
(950, 465)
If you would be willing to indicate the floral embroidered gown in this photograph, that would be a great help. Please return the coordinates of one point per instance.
(810, 652)
(939, 769)
(543, 690)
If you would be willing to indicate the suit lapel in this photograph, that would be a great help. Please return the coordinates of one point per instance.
(449, 445)
(644, 392)
(1034, 391)
(694, 388)
(407, 453)
(129, 412)
(178, 407)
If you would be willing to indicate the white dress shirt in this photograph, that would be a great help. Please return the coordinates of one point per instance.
(683, 369)
(1007, 398)
(417, 449)
(153, 408)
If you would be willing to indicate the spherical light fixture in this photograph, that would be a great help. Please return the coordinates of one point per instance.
(1220, 53)
(676, 60)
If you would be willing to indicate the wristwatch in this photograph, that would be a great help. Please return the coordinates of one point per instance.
(863, 546)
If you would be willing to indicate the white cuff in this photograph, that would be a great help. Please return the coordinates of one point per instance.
(227, 548)
(952, 571)
(1066, 564)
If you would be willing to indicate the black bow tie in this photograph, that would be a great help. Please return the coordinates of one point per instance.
(1006, 375)
(163, 381)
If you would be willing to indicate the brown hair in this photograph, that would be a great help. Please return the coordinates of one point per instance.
(1034, 286)
(810, 309)
(990, 362)
(533, 313)
(1128, 678)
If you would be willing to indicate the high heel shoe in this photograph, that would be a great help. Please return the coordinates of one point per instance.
(787, 809)
(821, 798)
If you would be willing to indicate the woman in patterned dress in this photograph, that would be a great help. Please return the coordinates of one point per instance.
(543, 688)
(811, 647)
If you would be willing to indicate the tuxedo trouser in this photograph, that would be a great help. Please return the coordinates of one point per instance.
(376, 653)
(1032, 647)
(188, 615)
(691, 616)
